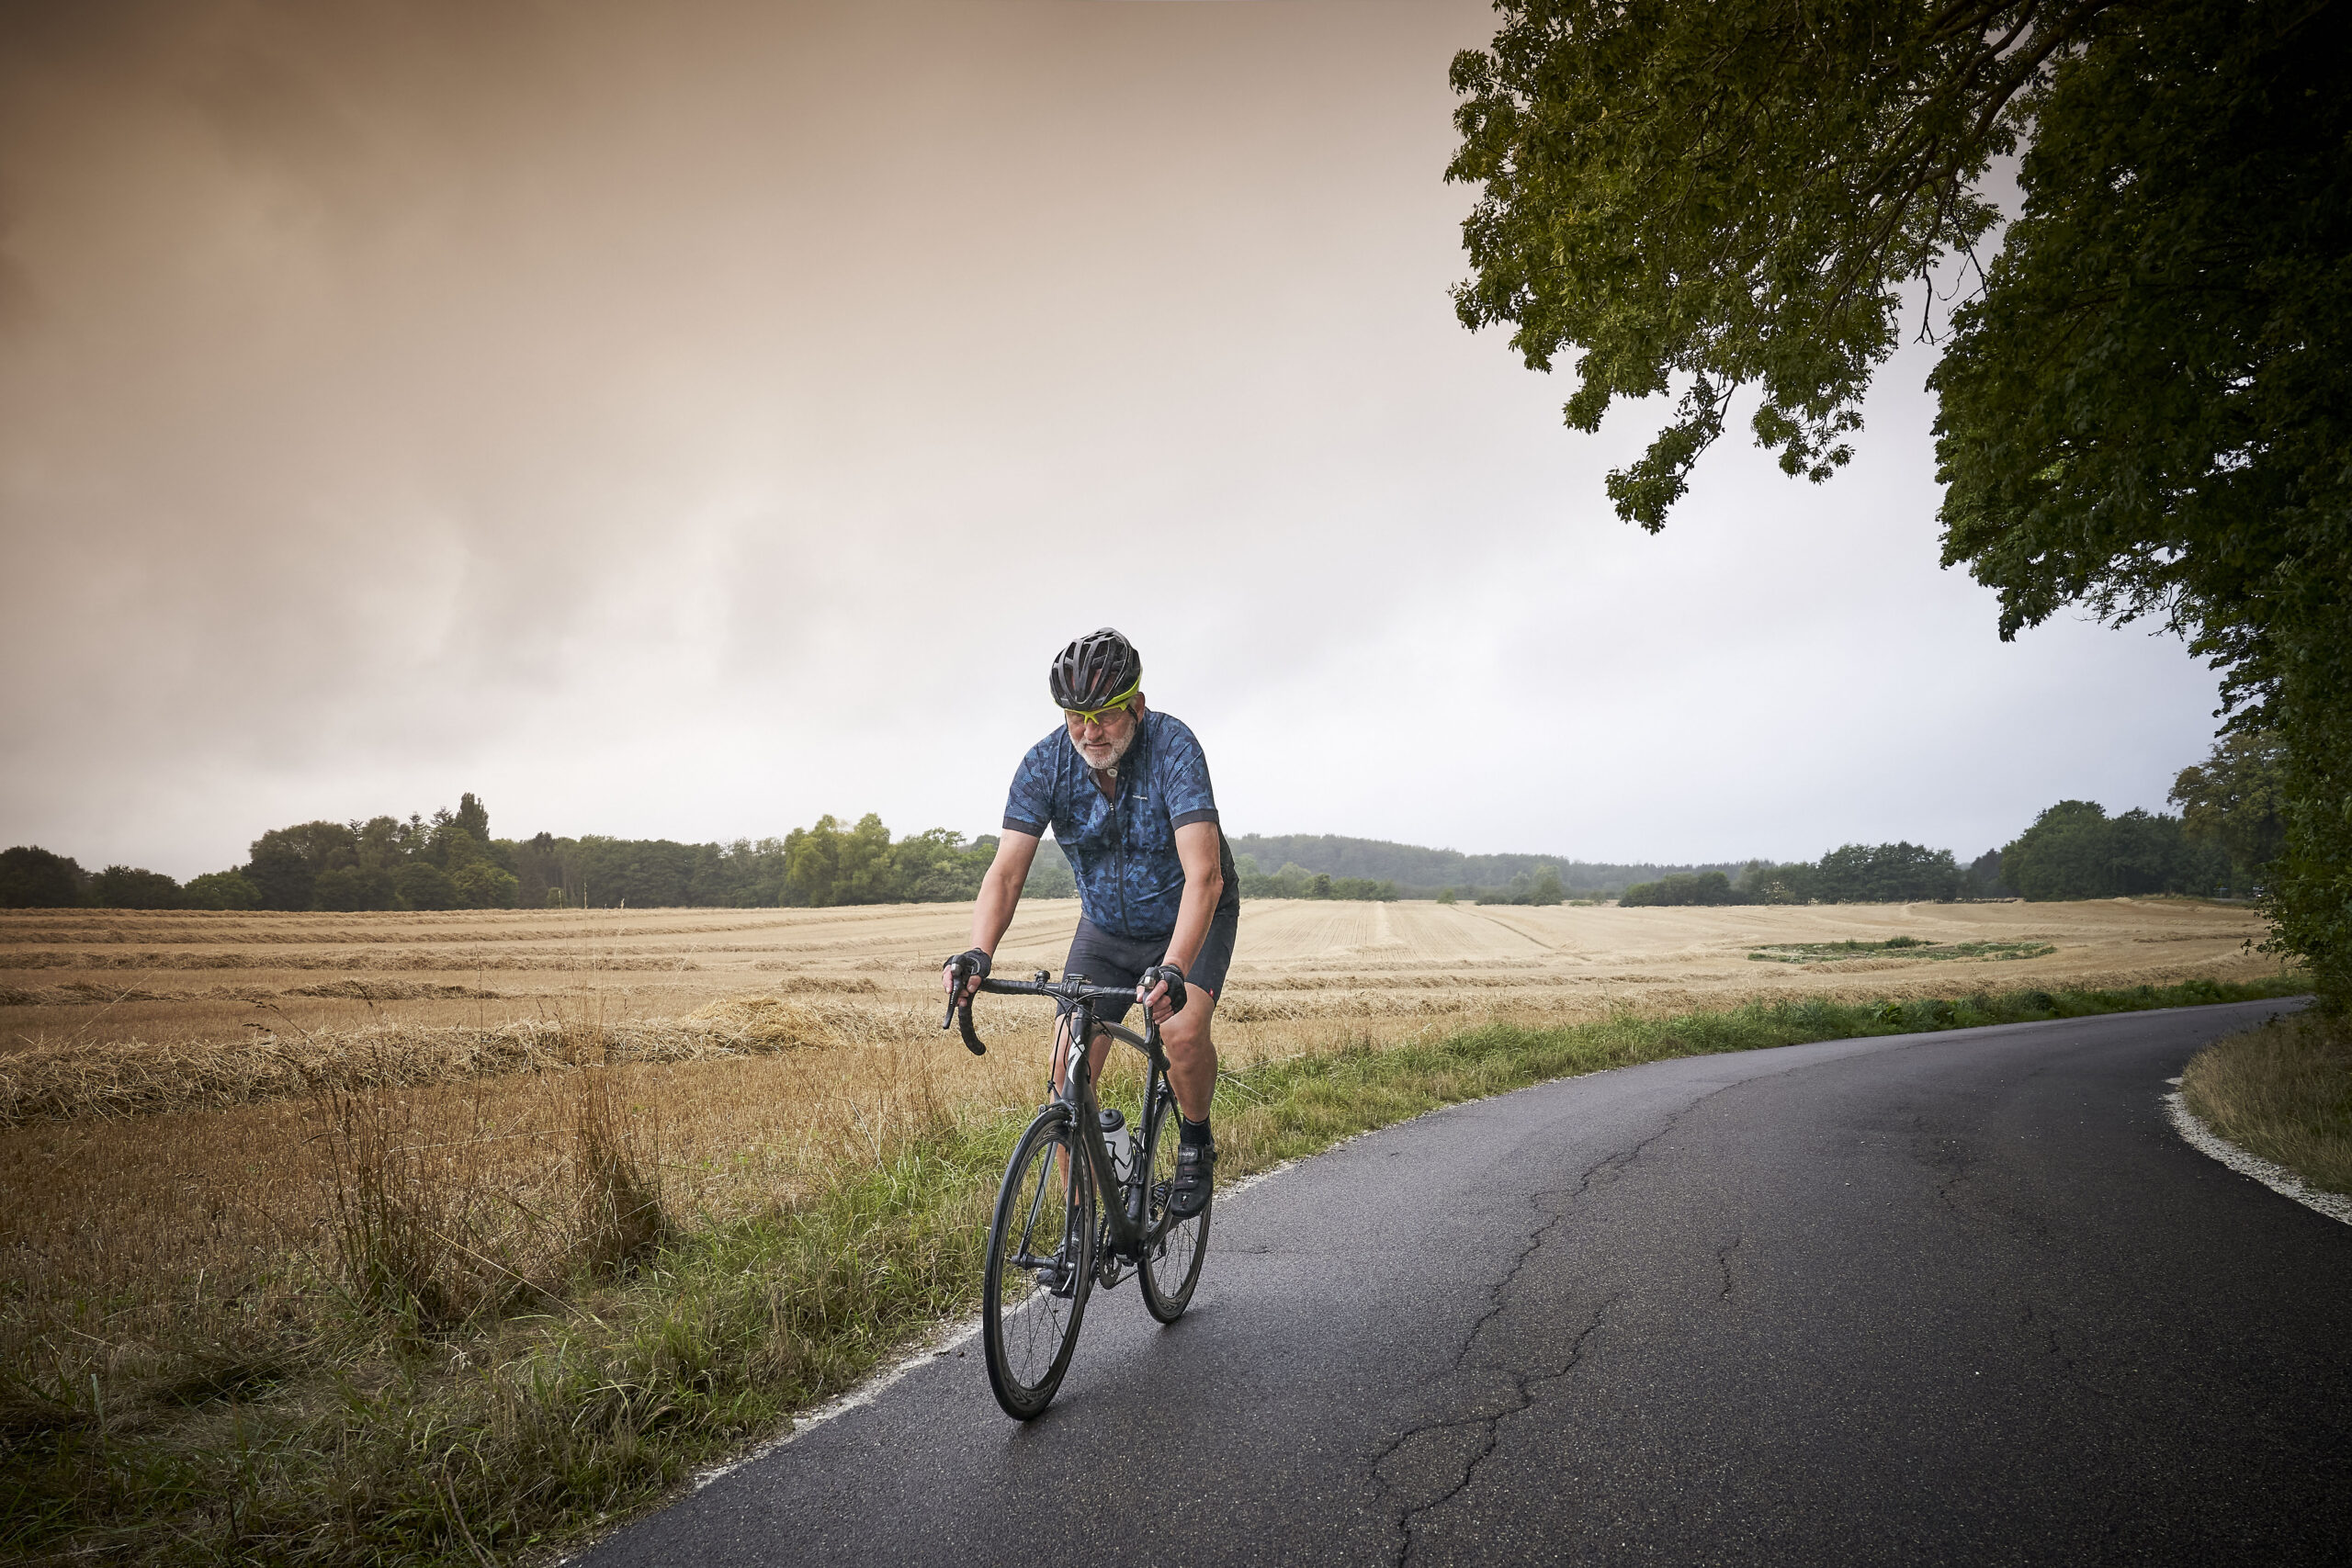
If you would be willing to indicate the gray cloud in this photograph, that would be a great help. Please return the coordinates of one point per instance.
(689, 420)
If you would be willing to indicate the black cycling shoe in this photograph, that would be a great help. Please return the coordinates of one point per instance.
(1196, 1177)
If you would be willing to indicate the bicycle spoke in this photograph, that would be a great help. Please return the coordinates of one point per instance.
(1036, 1295)
(1172, 1262)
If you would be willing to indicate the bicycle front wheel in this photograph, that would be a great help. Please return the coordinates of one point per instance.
(1172, 1260)
(1040, 1267)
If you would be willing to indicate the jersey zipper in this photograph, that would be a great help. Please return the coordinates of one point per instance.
(1119, 852)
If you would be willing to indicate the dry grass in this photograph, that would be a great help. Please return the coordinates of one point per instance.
(2283, 1091)
(176, 1173)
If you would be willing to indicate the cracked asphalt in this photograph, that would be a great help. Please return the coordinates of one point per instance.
(1956, 1298)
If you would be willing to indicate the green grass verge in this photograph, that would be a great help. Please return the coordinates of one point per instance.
(1903, 946)
(2283, 1091)
(364, 1443)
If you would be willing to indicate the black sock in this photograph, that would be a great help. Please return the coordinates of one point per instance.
(1191, 1131)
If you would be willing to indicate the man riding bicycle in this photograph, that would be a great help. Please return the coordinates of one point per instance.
(1126, 794)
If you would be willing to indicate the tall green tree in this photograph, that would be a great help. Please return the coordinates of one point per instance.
(34, 878)
(2234, 799)
(133, 887)
(2147, 407)
(287, 860)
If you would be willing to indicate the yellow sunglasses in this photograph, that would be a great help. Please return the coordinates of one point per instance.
(1095, 716)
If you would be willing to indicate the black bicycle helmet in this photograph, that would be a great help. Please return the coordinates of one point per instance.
(1098, 669)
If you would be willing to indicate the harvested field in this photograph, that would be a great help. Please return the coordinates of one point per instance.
(220, 1135)
(767, 1046)
(88, 980)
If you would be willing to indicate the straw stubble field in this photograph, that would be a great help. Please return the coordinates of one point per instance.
(213, 1127)
(161, 1075)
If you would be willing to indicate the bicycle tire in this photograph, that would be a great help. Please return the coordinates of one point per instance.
(1028, 1333)
(1172, 1260)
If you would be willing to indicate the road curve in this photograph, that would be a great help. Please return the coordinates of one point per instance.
(1957, 1298)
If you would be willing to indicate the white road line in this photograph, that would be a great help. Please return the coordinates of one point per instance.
(2278, 1178)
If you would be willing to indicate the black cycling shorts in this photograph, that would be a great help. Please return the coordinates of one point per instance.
(1107, 960)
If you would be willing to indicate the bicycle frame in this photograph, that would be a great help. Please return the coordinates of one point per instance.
(1129, 1233)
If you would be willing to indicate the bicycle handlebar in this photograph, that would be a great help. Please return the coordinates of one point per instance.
(1066, 991)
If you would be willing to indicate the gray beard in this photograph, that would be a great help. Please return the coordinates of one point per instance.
(1110, 769)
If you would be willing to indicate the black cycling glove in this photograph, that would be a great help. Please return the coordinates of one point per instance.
(1170, 974)
(971, 962)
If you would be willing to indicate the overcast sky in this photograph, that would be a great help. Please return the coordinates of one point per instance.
(685, 420)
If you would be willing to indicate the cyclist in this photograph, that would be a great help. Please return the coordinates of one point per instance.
(1127, 792)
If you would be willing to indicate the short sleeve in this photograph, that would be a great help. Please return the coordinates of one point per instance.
(1184, 779)
(1029, 805)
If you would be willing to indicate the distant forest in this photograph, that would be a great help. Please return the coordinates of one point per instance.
(451, 861)
(1420, 872)
(2229, 831)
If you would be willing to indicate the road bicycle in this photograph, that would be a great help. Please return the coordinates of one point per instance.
(1054, 1237)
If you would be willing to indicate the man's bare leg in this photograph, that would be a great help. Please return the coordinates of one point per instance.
(1192, 1055)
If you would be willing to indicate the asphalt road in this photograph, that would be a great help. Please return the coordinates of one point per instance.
(1960, 1297)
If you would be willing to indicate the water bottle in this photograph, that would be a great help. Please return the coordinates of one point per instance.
(1121, 1144)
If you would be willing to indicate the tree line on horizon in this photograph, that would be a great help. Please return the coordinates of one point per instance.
(2229, 831)
(451, 861)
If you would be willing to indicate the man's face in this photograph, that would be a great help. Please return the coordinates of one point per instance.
(1105, 743)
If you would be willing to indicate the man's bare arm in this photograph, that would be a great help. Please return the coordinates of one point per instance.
(999, 896)
(1199, 846)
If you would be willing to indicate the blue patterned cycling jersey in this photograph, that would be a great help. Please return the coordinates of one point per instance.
(1123, 852)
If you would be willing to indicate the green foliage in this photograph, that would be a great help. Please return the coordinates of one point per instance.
(1766, 882)
(287, 862)
(220, 890)
(1049, 875)
(33, 878)
(830, 865)
(2236, 800)
(2074, 850)
(1982, 878)
(130, 887)
(421, 884)
(1886, 874)
(2147, 412)
(1908, 946)
(329, 865)
(1419, 873)
(353, 887)
(1851, 873)
(2144, 410)
(482, 886)
(1707, 195)
(1540, 885)
(1707, 887)
(1294, 881)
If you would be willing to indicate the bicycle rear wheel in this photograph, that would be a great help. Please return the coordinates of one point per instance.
(1171, 1263)
(1040, 1267)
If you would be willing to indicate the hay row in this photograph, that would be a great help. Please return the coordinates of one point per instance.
(83, 992)
(79, 993)
(145, 1078)
(360, 958)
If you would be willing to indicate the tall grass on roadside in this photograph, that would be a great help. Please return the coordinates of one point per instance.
(361, 1439)
(2283, 1091)
(617, 1172)
(429, 1228)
